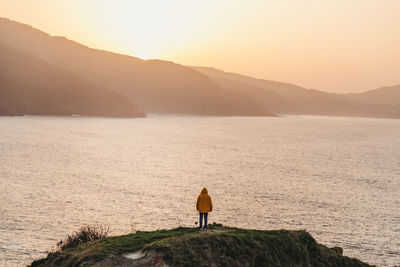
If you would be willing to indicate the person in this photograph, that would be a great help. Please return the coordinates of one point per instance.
(204, 206)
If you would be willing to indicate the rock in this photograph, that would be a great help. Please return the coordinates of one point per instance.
(338, 250)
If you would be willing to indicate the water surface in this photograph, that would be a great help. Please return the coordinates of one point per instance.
(338, 178)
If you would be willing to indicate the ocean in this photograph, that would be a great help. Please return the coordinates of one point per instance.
(336, 177)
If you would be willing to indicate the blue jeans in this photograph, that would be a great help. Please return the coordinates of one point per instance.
(205, 215)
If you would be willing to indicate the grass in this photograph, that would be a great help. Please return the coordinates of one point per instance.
(116, 245)
(87, 233)
(239, 247)
(221, 246)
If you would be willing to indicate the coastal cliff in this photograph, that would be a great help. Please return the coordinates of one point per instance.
(218, 246)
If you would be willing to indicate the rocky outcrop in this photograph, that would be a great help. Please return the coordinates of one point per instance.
(218, 246)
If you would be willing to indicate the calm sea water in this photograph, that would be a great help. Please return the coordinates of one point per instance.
(338, 178)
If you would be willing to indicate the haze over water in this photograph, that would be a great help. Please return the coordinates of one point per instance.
(338, 178)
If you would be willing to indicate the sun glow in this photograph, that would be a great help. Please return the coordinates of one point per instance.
(148, 29)
(344, 45)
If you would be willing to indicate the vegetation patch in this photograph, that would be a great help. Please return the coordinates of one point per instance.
(218, 246)
(86, 233)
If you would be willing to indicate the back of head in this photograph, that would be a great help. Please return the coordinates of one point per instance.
(204, 191)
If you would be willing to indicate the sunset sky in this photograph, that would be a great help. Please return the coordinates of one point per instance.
(339, 46)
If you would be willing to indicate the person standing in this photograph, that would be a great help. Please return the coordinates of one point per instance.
(204, 206)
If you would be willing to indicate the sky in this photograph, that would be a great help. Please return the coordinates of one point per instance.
(332, 45)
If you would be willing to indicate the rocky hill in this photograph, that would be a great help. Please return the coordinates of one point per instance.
(218, 246)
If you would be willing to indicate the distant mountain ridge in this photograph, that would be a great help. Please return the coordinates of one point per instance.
(388, 95)
(31, 86)
(155, 86)
(163, 87)
(286, 98)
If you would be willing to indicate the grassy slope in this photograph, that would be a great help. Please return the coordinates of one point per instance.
(222, 246)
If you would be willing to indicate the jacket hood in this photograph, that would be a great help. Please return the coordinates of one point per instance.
(204, 191)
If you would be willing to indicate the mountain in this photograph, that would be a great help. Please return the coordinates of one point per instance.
(285, 98)
(155, 86)
(164, 87)
(384, 100)
(29, 85)
(388, 95)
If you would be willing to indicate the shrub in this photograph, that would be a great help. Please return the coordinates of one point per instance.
(86, 233)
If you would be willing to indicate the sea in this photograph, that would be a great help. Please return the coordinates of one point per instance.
(336, 177)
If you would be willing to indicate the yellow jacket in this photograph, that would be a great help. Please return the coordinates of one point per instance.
(204, 204)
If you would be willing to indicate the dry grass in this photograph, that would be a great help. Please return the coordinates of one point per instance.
(86, 233)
